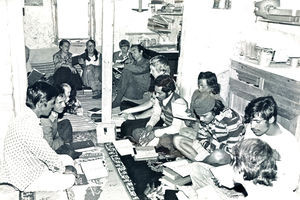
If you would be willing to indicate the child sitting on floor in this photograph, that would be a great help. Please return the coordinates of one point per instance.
(73, 105)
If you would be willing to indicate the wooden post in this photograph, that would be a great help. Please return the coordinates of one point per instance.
(108, 10)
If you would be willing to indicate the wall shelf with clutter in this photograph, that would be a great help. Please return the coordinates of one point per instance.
(269, 11)
(166, 16)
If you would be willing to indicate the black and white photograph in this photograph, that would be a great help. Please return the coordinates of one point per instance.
(150, 99)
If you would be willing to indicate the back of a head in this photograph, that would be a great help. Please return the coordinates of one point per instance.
(124, 43)
(166, 82)
(161, 64)
(266, 107)
(211, 80)
(257, 160)
(40, 91)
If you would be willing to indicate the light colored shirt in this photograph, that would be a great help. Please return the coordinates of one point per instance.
(289, 165)
(26, 153)
(92, 61)
(157, 114)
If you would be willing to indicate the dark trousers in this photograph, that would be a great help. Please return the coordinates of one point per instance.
(65, 131)
(128, 87)
(64, 75)
(129, 125)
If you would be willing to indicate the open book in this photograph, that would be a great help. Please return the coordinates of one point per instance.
(94, 169)
(124, 147)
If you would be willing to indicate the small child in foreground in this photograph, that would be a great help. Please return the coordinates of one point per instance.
(73, 105)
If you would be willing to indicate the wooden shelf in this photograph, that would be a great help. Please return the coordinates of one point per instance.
(280, 22)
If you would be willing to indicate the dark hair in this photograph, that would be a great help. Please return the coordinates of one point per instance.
(257, 160)
(63, 41)
(211, 80)
(40, 92)
(124, 43)
(219, 107)
(265, 106)
(60, 91)
(166, 82)
(86, 54)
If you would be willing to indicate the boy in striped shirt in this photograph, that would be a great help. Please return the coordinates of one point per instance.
(217, 129)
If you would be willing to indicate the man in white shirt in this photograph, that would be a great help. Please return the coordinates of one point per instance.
(29, 163)
(164, 108)
(261, 116)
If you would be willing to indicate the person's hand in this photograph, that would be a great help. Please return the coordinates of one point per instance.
(146, 138)
(81, 61)
(70, 170)
(73, 70)
(149, 128)
(128, 116)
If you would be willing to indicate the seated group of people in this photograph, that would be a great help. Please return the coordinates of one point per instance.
(264, 155)
(37, 147)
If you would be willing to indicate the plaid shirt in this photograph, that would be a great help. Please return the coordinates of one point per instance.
(223, 132)
(26, 153)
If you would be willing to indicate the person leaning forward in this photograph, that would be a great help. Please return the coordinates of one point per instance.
(29, 163)
(217, 130)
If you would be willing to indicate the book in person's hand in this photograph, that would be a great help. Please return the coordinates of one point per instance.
(34, 76)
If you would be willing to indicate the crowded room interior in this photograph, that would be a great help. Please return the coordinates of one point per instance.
(150, 100)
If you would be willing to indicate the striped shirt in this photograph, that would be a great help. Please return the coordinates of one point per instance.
(223, 132)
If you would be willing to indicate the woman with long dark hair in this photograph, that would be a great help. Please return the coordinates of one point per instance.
(91, 61)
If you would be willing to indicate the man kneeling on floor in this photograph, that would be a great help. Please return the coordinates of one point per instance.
(29, 163)
(59, 134)
(216, 131)
(164, 108)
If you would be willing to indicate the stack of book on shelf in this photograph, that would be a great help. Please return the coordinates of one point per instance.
(158, 23)
(145, 153)
(176, 173)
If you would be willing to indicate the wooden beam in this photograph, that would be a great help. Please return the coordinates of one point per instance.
(108, 10)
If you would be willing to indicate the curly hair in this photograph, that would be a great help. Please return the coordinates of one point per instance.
(211, 80)
(160, 62)
(265, 106)
(219, 107)
(40, 92)
(256, 160)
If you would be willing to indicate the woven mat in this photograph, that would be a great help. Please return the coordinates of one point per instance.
(113, 154)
